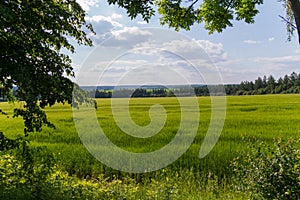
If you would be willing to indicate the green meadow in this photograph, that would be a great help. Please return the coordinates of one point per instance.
(247, 117)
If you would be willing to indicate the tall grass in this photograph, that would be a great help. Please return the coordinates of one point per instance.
(265, 117)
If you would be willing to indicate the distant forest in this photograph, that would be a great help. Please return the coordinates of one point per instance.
(289, 84)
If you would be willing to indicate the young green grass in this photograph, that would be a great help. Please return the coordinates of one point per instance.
(265, 117)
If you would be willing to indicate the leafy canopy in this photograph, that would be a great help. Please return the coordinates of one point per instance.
(215, 14)
(32, 35)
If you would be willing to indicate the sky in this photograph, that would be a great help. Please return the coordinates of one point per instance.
(129, 51)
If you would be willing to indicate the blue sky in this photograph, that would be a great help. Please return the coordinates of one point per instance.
(128, 49)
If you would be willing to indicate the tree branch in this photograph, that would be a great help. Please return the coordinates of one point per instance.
(191, 6)
(287, 21)
(228, 6)
(295, 6)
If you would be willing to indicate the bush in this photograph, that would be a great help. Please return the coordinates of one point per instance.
(270, 172)
(24, 171)
(31, 173)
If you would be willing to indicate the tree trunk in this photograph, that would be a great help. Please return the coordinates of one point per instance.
(295, 5)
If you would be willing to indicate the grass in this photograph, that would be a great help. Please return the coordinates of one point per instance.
(265, 117)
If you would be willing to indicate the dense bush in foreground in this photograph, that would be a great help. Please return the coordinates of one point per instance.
(270, 172)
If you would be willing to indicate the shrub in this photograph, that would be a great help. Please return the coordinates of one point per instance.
(270, 172)
(23, 172)
(30, 173)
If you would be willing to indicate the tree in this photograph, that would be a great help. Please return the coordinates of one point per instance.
(293, 13)
(215, 14)
(271, 83)
(286, 82)
(32, 35)
(265, 81)
(258, 83)
(294, 79)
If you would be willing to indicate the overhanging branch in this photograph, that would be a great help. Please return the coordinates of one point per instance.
(287, 21)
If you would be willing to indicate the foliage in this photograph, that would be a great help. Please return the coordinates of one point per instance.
(267, 85)
(132, 93)
(289, 19)
(7, 144)
(271, 172)
(292, 18)
(216, 15)
(23, 172)
(32, 35)
(136, 7)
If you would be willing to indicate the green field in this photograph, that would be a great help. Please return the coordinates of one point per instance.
(265, 117)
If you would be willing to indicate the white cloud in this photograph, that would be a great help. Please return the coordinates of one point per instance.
(214, 50)
(145, 52)
(87, 4)
(143, 40)
(127, 37)
(116, 16)
(282, 59)
(104, 25)
(128, 32)
(251, 42)
(235, 71)
(271, 39)
(142, 22)
(193, 49)
(110, 19)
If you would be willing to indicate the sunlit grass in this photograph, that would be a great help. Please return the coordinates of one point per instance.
(265, 117)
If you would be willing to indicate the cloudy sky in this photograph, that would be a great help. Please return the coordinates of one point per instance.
(133, 52)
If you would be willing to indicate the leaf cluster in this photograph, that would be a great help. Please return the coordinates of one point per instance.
(136, 7)
(32, 36)
(215, 14)
(179, 14)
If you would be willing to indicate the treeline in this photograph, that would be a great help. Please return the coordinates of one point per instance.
(289, 84)
(262, 85)
(142, 92)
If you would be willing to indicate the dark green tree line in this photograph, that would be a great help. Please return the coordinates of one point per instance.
(262, 85)
(267, 85)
